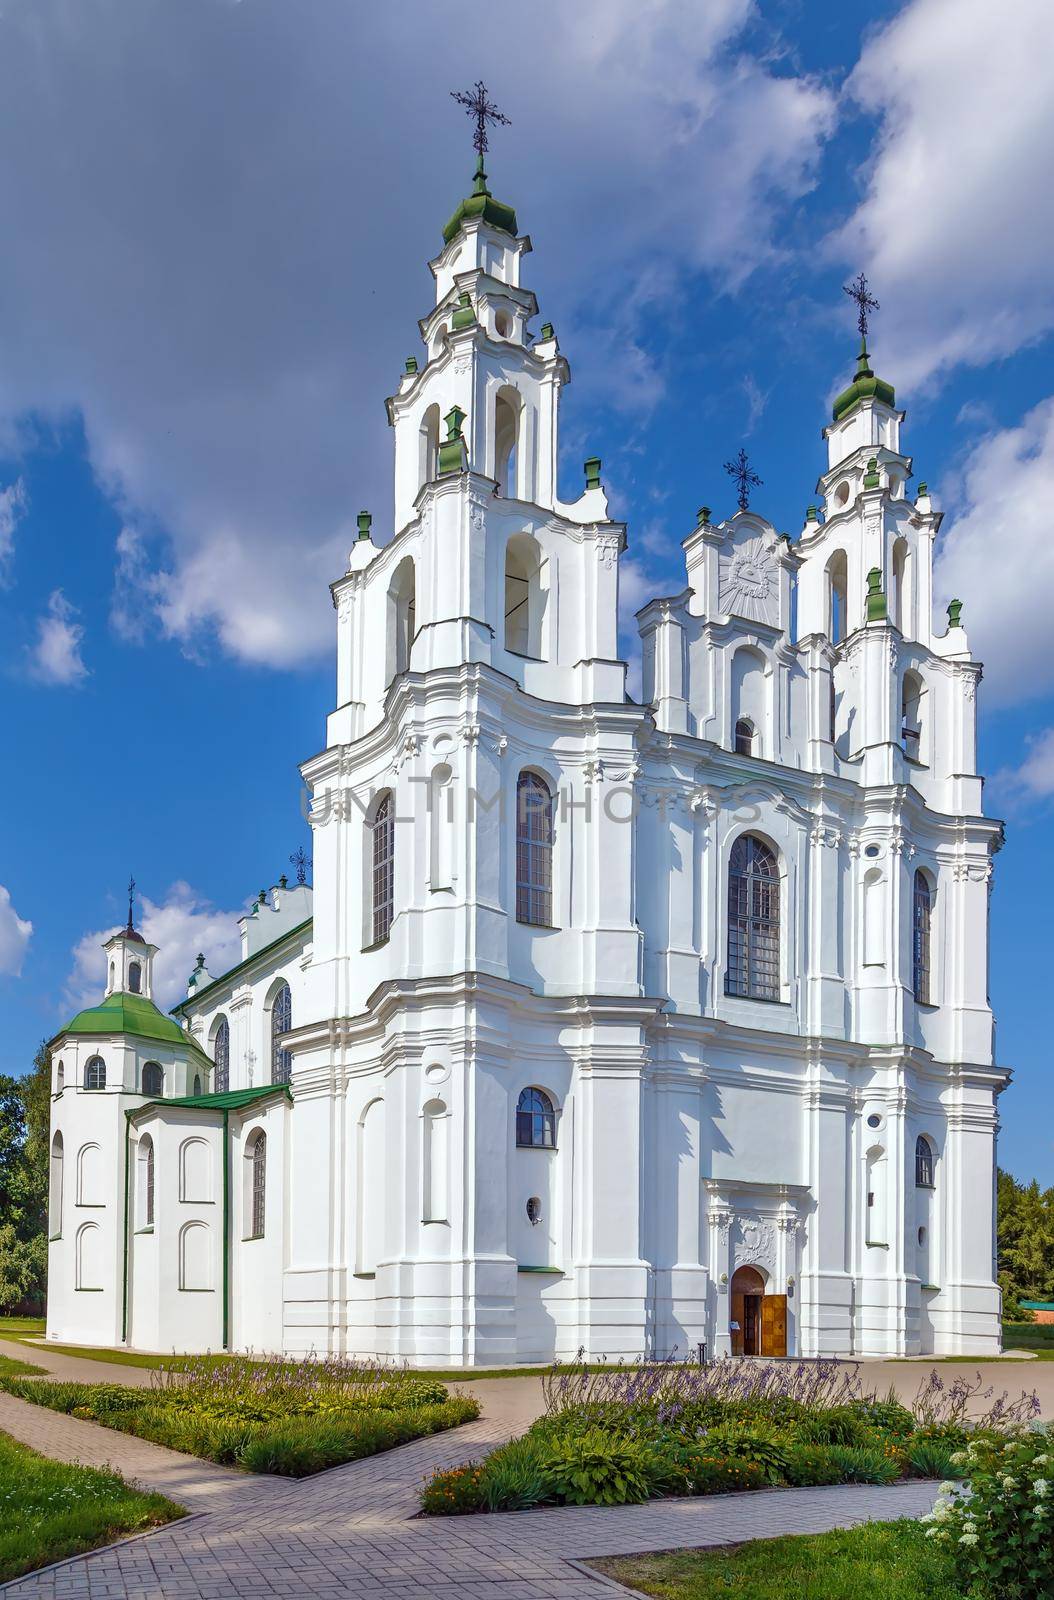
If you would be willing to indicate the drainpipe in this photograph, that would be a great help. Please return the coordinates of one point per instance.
(226, 1227)
(124, 1282)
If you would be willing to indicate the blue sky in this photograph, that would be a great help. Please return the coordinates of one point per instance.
(217, 219)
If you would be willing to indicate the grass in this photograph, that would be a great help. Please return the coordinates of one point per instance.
(1037, 1337)
(891, 1559)
(50, 1510)
(16, 1327)
(10, 1368)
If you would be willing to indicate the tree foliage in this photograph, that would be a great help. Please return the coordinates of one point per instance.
(1026, 1242)
(25, 1116)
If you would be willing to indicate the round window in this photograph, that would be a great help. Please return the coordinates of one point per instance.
(534, 1210)
(841, 494)
(872, 850)
(874, 1120)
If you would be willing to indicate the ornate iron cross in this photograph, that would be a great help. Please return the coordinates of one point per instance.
(300, 860)
(865, 302)
(477, 105)
(744, 475)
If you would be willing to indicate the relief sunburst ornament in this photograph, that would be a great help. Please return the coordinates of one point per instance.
(750, 583)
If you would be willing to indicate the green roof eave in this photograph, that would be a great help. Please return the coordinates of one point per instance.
(482, 208)
(865, 386)
(131, 1014)
(225, 977)
(230, 1100)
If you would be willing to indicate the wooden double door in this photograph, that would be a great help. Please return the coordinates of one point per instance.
(758, 1321)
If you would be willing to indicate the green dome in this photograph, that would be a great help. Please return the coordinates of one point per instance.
(482, 204)
(130, 1013)
(865, 386)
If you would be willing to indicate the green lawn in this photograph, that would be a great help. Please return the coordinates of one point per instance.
(15, 1327)
(10, 1368)
(893, 1560)
(49, 1510)
(1037, 1337)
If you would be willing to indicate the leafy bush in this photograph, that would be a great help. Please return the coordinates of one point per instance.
(856, 1464)
(761, 1446)
(454, 1492)
(691, 1469)
(809, 1466)
(836, 1425)
(888, 1415)
(596, 1470)
(513, 1477)
(928, 1458)
(997, 1524)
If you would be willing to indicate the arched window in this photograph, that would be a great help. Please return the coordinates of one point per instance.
(402, 617)
(135, 977)
(524, 600)
(753, 921)
(507, 409)
(95, 1073)
(197, 1083)
(55, 1189)
(535, 1121)
(429, 443)
(901, 586)
(923, 1163)
(281, 1022)
(60, 1077)
(744, 737)
(534, 851)
(382, 867)
(257, 1187)
(221, 1055)
(921, 923)
(145, 1158)
(748, 697)
(911, 705)
(153, 1078)
(837, 589)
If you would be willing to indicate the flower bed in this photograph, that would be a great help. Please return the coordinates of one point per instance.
(631, 1433)
(277, 1416)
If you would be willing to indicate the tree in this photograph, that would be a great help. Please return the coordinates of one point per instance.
(25, 1127)
(1025, 1242)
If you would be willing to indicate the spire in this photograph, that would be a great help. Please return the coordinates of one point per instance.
(864, 385)
(130, 930)
(481, 203)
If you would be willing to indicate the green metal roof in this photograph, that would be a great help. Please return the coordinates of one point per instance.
(232, 972)
(230, 1100)
(482, 204)
(865, 386)
(134, 1014)
(1037, 1305)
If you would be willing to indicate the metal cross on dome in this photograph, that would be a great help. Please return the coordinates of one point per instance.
(131, 900)
(300, 860)
(865, 301)
(477, 105)
(745, 476)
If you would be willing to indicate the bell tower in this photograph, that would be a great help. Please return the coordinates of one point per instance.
(129, 959)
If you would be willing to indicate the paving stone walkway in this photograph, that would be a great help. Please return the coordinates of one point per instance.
(352, 1531)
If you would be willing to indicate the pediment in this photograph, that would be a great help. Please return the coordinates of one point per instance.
(750, 576)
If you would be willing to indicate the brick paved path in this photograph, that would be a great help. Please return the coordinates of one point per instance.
(352, 1532)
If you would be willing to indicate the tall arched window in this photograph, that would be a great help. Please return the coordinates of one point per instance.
(153, 1078)
(429, 443)
(402, 617)
(912, 696)
(135, 977)
(257, 1195)
(221, 1055)
(921, 924)
(524, 600)
(382, 868)
(753, 921)
(837, 590)
(901, 586)
(55, 1188)
(95, 1073)
(507, 410)
(534, 851)
(535, 1121)
(748, 687)
(744, 737)
(145, 1154)
(923, 1163)
(60, 1077)
(281, 1022)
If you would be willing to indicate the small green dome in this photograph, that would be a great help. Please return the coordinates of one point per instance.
(130, 1013)
(865, 386)
(482, 204)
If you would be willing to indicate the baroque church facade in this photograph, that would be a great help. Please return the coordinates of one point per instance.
(616, 1026)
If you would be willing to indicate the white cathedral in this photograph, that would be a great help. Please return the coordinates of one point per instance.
(615, 1026)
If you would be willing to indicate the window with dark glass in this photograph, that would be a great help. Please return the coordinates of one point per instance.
(744, 737)
(281, 1022)
(146, 1151)
(921, 923)
(135, 977)
(258, 1160)
(923, 1163)
(383, 828)
(534, 851)
(535, 1121)
(221, 1055)
(95, 1073)
(153, 1078)
(753, 921)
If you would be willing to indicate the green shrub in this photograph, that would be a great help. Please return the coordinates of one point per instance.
(928, 1458)
(888, 1415)
(809, 1466)
(755, 1443)
(841, 1425)
(691, 1469)
(513, 1479)
(997, 1527)
(454, 1492)
(857, 1464)
(594, 1469)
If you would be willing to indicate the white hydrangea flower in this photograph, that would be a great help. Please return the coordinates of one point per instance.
(1041, 1486)
(968, 1538)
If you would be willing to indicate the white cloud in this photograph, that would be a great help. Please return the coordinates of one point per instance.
(15, 934)
(1033, 780)
(997, 555)
(12, 509)
(956, 228)
(218, 224)
(181, 925)
(55, 658)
